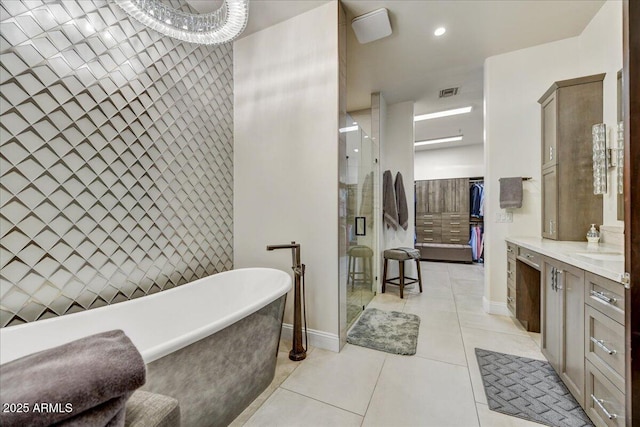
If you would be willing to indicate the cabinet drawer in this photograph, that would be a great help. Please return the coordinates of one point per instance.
(604, 345)
(511, 300)
(604, 403)
(605, 295)
(458, 228)
(511, 250)
(455, 239)
(529, 257)
(454, 217)
(428, 222)
(428, 216)
(429, 231)
(428, 239)
(511, 272)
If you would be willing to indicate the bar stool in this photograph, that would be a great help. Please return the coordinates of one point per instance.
(401, 255)
(365, 253)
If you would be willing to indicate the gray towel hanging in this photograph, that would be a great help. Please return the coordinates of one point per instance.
(511, 192)
(389, 204)
(401, 203)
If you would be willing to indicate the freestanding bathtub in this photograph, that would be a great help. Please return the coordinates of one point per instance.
(211, 344)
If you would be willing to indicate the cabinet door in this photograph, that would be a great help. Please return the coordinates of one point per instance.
(422, 194)
(550, 203)
(551, 314)
(549, 127)
(570, 283)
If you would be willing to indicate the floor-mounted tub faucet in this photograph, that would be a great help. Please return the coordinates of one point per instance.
(298, 351)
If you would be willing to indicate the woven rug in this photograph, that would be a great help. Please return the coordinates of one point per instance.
(389, 331)
(529, 389)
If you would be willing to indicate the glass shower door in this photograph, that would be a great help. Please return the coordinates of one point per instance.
(362, 205)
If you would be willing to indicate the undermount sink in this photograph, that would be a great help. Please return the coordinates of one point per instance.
(603, 256)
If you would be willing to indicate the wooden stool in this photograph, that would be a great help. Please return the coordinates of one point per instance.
(401, 255)
(366, 254)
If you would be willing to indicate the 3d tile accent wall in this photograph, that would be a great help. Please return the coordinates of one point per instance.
(116, 159)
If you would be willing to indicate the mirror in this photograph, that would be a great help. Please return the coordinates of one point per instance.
(620, 117)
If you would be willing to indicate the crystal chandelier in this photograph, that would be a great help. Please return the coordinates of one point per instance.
(220, 26)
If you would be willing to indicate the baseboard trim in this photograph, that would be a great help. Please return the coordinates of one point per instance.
(493, 307)
(319, 339)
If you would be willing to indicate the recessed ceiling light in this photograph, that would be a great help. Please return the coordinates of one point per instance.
(439, 140)
(355, 149)
(355, 123)
(348, 129)
(440, 31)
(444, 113)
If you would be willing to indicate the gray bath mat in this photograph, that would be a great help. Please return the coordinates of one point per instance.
(389, 331)
(529, 389)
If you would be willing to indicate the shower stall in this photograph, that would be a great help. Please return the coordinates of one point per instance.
(360, 264)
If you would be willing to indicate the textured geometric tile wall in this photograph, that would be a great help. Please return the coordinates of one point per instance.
(116, 159)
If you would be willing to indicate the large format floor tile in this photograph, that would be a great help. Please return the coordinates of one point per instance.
(285, 408)
(494, 323)
(413, 391)
(489, 418)
(344, 379)
(439, 386)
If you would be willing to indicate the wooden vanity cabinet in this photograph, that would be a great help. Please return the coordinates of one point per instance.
(569, 110)
(563, 323)
(582, 324)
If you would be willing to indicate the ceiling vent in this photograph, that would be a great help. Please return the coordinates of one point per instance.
(445, 93)
(372, 26)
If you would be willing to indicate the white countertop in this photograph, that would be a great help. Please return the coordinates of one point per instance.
(579, 254)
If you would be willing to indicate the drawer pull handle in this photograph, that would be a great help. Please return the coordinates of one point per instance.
(529, 256)
(427, 223)
(427, 238)
(454, 223)
(454, 231)
(603, 297)
(427, 231)
(509, 250)
(600, 343)
(509, 273)
(599, 403)
(509, 299)
(455, 240)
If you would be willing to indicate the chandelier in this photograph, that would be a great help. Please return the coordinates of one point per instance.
(221, 26)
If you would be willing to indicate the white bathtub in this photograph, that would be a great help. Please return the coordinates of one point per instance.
(212, 344)
(161, 323)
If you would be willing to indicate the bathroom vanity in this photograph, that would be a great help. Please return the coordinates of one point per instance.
(572, 293)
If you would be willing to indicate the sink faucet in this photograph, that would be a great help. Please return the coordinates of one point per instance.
(298, 352)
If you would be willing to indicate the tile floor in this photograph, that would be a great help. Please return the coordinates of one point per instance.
(440, 386)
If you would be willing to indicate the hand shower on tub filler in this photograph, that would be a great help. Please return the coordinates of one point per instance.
(298, 351)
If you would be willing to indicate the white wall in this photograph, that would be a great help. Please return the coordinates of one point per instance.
(450, 162)
(286, 155)
(396, 155)
(513, 84)
(601, 52)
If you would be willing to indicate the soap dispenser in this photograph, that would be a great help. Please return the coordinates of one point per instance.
(593, 236)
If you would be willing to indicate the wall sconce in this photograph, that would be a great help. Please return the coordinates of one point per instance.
(620, 157)
(599, 134)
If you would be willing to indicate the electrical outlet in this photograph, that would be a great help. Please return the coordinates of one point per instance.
(503, 217)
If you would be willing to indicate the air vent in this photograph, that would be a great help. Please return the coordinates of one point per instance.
(445, 93)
